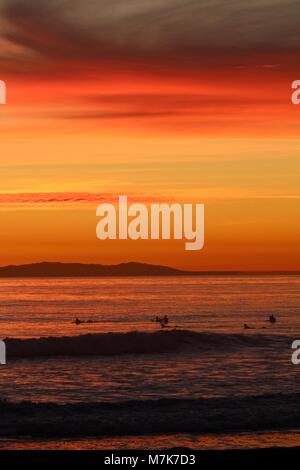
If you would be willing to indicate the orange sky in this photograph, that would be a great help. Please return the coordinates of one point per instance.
(198, 124)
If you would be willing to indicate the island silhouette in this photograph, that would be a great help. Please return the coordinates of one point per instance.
(57, 269)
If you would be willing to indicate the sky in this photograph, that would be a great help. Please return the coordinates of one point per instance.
(165, 100)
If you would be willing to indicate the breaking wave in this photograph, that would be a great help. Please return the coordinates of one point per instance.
(164, 416)
(107, 344)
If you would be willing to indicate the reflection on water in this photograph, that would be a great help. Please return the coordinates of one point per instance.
(30, 307)
(33, 308)
(116, 378)
(203, 442)
(36, 307)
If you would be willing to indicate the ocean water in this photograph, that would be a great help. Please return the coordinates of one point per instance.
(219, 304)
(237, 441)
(223, 360)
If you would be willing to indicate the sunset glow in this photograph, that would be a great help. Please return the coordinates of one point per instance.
(91, 115)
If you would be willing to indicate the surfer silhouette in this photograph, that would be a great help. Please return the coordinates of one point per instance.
(162, 321)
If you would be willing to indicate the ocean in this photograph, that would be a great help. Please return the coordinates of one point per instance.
(219, 304)
(203, 357)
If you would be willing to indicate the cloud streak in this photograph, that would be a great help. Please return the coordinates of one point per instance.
(58, 198)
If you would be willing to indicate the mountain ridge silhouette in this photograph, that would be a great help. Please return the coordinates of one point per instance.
(59, 269)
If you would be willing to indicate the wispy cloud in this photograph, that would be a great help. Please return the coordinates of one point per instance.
(68, 198)
(102, 31)
(158, 105)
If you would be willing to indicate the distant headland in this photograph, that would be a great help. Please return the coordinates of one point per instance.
(55, 269)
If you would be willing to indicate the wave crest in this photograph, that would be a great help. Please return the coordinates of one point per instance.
(107, 344)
